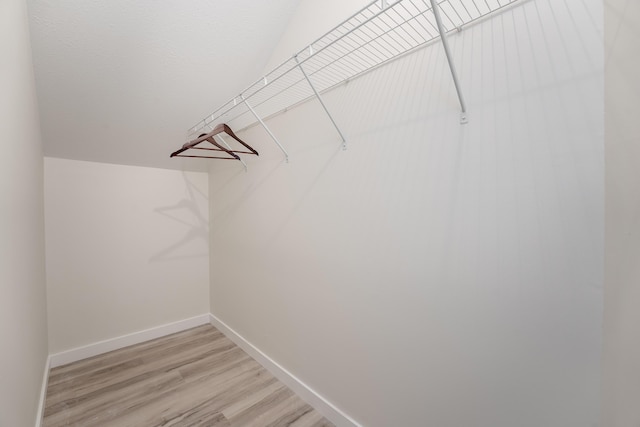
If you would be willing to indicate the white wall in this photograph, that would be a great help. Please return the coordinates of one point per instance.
(127, 249)
(309, 22)
(622, 268)
(23, 328)
(433, 273)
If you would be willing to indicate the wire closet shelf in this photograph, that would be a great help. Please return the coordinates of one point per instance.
(378, 33)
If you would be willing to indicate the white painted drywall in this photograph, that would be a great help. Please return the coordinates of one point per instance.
(127, 249)
(121, 81)
(309, 22)
(23, 327)
(433, 274)
(622, 268)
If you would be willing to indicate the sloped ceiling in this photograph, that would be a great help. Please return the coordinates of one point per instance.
(121, 81)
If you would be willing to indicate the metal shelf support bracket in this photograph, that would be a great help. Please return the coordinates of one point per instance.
(326, 110)
(445, 44)
(286, 155)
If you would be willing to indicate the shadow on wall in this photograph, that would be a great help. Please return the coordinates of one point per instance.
(300, 200)
(187, 212)
(227, 212)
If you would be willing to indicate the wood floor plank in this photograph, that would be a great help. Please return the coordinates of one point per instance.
(193, 404)
(125, 400)
(79, 372)
(252, 399)
(87, 382)
(192, 378)
(166, 343)
(91, 381)
(311, 419)
(201, 420)
(280, 412)
(182, 400)
(98, 408)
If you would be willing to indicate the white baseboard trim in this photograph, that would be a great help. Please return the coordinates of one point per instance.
(100, 347)
(322, 405)
(43, 392)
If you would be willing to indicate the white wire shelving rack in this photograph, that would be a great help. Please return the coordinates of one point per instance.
(378, 33)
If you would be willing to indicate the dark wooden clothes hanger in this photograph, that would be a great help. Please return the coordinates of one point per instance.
(222, 127)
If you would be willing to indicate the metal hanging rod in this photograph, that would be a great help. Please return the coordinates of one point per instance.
(378, 33)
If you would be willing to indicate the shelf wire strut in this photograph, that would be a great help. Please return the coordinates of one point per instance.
(452, 66)
(286, 155)
(344, 141)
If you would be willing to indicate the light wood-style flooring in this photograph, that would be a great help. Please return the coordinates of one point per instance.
(193, 378)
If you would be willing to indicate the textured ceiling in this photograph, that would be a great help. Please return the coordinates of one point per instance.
(121, 81)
